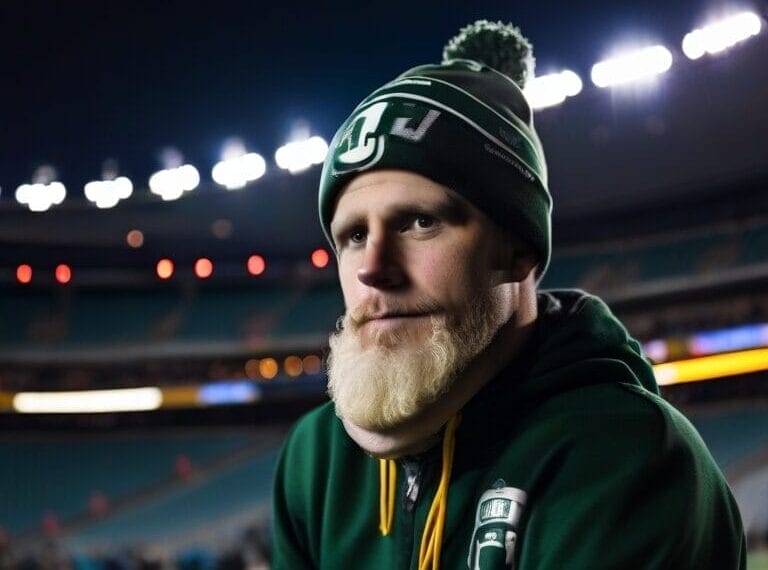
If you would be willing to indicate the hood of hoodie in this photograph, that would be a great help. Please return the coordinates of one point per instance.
(578, 331)
(576, 342)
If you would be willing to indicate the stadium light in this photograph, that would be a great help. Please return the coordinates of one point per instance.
(63, 273)
(164, 268)
(135, 238)
(203, 268)
(256, 265)
(40, 197)
(107, 193)
(729, 339)
(705, 343)
(237, 168)
(268, 368)
(44, 191)
(639, 65)
(710, 367)
(719, 36)
(320, 258)
(24, 273)
(88, 401)
(312, 364)
(252, 368)
(293, 366)
(301, 154)
(228, 393)
(552, 89)
(171, 183)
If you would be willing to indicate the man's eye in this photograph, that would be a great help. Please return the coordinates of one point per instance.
(424, 222)
(357, 236)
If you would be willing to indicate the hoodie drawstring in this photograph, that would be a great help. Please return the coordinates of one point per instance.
(432, 537)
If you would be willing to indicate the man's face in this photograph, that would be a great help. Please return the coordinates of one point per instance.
(416, 269)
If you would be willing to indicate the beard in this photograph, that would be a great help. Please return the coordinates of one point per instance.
(380, 381)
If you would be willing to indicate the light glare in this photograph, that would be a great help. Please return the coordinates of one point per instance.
(39, 197)
(24, 273)
(719, 36)
(165, 268)
(135, 238)
(300, 155)
(256, 265)
(710, 367)
(203, 268)
(88, 401)
(552, 89)
(107, 193)
(320, 258)
(642, 64)
(63, 273)
(235, 172)
(171, 183)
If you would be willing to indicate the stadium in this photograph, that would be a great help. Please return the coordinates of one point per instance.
(166, 291)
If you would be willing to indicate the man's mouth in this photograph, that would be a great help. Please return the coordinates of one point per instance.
(395, 319)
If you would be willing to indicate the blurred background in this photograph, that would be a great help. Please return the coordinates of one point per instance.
(166, 292)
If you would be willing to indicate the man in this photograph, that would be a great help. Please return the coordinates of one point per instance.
(475, 422)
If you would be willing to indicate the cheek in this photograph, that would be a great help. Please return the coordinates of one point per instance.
(449, 277)
(349, 284)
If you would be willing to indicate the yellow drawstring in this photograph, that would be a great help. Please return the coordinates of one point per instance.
(432, 537)
(387, 492)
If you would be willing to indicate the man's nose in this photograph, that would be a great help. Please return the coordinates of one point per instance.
(381, 266)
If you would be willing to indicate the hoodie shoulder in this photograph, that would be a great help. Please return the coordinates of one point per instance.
(627, 469)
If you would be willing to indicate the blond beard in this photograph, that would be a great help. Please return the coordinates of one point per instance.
(383, 383)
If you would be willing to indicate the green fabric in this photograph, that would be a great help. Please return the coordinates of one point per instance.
(462, 124)
(616, 478)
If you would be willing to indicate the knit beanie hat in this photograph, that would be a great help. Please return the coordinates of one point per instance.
(465, 124)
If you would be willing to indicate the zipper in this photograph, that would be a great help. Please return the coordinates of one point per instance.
(412, 469)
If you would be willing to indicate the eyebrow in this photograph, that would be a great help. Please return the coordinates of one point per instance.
(447, 207)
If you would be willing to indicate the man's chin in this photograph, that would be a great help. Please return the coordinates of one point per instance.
(377, 422)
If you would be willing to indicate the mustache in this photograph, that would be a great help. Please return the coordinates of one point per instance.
(377, 309)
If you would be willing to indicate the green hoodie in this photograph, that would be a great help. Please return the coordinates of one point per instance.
(615, 477)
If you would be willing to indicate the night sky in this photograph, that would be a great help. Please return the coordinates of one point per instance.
(86, 81)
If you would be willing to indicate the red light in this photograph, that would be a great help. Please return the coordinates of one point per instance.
(63, 273)
(135, 238)
(165, 269)
(320, 258)
(256, 265)
(24, 273)
(203, 268)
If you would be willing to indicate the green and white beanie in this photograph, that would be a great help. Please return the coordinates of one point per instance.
(464, 124)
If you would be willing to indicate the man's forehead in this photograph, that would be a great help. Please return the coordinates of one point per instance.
(395, 188)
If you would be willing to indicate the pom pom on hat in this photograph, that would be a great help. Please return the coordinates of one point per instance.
(497, 45)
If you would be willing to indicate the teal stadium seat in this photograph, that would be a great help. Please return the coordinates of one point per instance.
(733, 435)
(30, 316)
(314, 312)
(117, 317)
(58, 474)
(227, 314)
(188, 510)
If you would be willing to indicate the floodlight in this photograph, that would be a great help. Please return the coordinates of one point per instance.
(40, 196)
(107, 193)
(639, 65)
(552, 89)
(171, 183)
(719, 36)
(88, 401)
(235, 172)
(299, 155)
